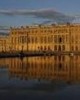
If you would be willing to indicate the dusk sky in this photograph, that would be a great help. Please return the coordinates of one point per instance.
(71, 7)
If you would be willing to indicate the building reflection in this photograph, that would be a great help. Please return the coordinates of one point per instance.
(64, 68)
(4, 63)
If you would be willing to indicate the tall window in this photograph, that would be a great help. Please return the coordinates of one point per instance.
(72, 39)
(12, 39)
(15, 40)
(55, 39)
(55, 48)
(36, 40)
(32, 39)
(45, 39)
(23, 39)
(41, 39)
(18, 40)
(60, 39)
(63, 38)
(59, 48)
(67, 38)
(28, 40)
(76, 48)
(72, 48)
(51, 38)
(63, 47)
(48, 39)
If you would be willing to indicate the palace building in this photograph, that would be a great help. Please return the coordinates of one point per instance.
(55, 37)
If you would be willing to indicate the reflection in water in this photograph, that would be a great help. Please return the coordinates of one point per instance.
(65, 68)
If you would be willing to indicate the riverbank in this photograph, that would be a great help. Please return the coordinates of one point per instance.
(43, 53)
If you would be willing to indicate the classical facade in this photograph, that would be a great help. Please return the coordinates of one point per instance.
(58, 38)
(4, 43)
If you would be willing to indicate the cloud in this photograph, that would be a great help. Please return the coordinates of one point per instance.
(49, 14)
(4, 29)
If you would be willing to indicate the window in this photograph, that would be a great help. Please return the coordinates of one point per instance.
(48, 39)
(23, 39)
(36, 31)
(45, 48)
(55, 38)
(63, 38)
(32, 39)
(59, 48)
(15, 39)
(18, 40)
(12, 39)
(41, 39)
(49, 48)
(72, 39)
(36, 40)
(60, 39)
(28, 39)
(60, 66)
(63, 47)
(45, 39)
(51, 38)
(67, 38)
(55, 48)
(41, 48)
(72, 48)
(76, 48)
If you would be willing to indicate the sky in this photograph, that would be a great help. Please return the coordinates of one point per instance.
(71, 7)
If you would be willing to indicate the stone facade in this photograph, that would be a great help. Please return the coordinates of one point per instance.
(60, 38)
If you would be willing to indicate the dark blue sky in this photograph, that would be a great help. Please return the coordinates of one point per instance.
(71, 7)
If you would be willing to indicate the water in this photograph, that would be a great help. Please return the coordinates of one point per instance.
(48, 77)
